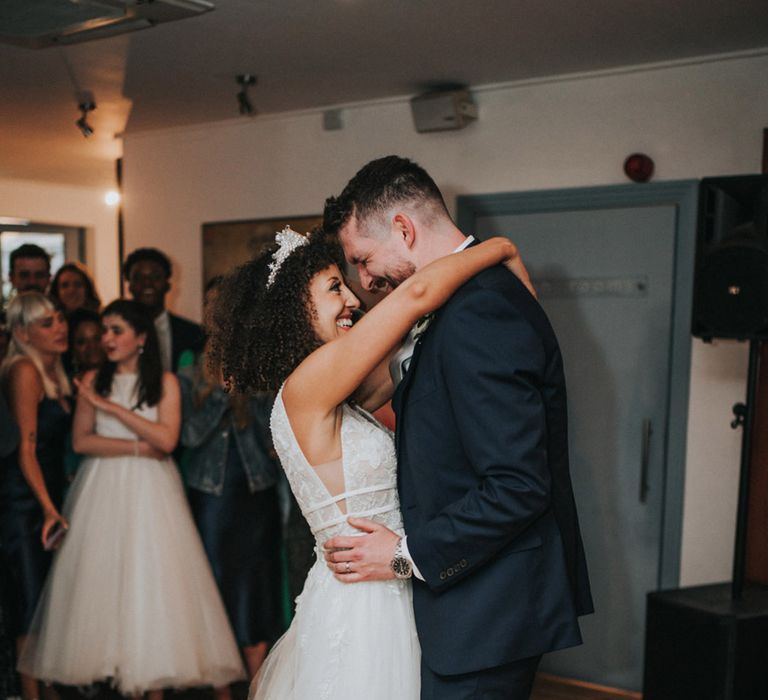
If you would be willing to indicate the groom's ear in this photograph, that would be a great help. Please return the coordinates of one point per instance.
(404, 228)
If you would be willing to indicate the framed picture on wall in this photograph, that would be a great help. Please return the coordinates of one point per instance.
(228, 244)
(231, 243)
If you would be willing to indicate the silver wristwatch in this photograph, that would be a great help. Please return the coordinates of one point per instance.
(401, 567)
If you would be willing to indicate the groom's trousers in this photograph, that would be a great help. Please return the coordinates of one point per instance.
(509, 682)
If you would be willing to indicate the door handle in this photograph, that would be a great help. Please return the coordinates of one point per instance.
(645, 455)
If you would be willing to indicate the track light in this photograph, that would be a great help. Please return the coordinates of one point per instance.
(82, 123)
(245, 80)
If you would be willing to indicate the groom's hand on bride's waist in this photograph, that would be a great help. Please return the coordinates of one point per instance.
(365, 557)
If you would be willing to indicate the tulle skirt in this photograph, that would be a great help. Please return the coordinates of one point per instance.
(130, 596)
(346, 642)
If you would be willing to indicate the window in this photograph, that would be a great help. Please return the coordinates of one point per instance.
(62, 243)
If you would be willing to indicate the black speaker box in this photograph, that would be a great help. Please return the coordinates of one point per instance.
(702, 645)
(730, 296)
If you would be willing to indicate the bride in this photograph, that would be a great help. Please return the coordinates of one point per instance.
(286, 321)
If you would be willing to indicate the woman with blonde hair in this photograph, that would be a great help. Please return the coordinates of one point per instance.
(32, 477)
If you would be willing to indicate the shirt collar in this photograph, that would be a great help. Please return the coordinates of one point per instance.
(466, 242)
(163, 320)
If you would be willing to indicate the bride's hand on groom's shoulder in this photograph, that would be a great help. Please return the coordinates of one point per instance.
(514, 263)
(365, 557)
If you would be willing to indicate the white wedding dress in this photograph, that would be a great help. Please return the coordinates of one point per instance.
(130, 596)
(347, 641)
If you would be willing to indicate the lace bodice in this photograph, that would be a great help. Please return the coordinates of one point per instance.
(123, 393)
(370, 474)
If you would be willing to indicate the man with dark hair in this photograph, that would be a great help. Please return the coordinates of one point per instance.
(491, 531)
(30, 269)
(148, 272)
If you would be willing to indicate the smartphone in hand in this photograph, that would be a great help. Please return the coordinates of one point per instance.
(55, 535)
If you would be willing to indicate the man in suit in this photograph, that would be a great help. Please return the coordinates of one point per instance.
(148, 271)
(30, 269)
(491, 531)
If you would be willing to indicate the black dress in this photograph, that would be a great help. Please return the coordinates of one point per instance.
(21, 518)
(241, 535)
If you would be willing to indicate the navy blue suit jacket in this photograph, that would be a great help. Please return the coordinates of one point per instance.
(484, 482)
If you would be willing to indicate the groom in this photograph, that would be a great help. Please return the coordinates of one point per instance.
(492, 535)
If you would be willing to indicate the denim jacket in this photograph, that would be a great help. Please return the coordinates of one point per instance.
(206, 431)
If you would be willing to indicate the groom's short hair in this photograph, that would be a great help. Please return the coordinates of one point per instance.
(379, 185)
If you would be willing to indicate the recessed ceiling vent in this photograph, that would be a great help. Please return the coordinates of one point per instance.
(56, 22)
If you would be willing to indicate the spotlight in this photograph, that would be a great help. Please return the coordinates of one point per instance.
(84, 127)
(82, 123)
(245, 80)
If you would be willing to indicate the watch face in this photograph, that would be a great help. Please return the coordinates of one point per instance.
(401, 567)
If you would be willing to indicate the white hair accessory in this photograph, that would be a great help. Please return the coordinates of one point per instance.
(288, 240)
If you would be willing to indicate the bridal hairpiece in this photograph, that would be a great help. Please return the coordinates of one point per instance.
(288, 240)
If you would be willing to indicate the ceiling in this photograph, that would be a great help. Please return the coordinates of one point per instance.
(318, 53)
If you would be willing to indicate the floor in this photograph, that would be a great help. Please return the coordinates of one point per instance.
(554, 688)
(547, 688)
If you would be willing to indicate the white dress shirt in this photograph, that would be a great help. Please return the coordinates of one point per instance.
(163, 328)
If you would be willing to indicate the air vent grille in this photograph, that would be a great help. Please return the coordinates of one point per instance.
(51, 22)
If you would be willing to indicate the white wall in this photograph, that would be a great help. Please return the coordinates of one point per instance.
(46, 203)
(693, 120)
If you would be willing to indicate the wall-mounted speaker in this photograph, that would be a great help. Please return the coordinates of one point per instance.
(443, 110)
(730, 295)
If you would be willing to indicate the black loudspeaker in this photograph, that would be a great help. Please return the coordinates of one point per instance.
(702, 645)
(730, 296)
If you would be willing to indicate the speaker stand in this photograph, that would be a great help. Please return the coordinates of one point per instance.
(711, 642)
(745, 417)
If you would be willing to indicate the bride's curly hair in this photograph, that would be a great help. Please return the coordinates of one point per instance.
(258, 336)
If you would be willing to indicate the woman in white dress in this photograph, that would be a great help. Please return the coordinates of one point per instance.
(130, 597)
(286, 321)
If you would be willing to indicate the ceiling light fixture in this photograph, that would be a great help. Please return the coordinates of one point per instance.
(244, 105)
(82, 123)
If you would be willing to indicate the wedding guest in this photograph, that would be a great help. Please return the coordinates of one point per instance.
(130, 597)
(148, 271)
(30, 269)
(85, 349)
(73, 288)
(231, 475)
(85, 353)
(9, 431)
(5, 337)
(32, 476)
(9, 439)
(299, 545)
(9, 685)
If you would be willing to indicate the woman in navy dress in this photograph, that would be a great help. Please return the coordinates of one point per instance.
(32, 476)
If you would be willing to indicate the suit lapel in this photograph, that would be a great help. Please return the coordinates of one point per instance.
(401, 393)
(174, 345)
